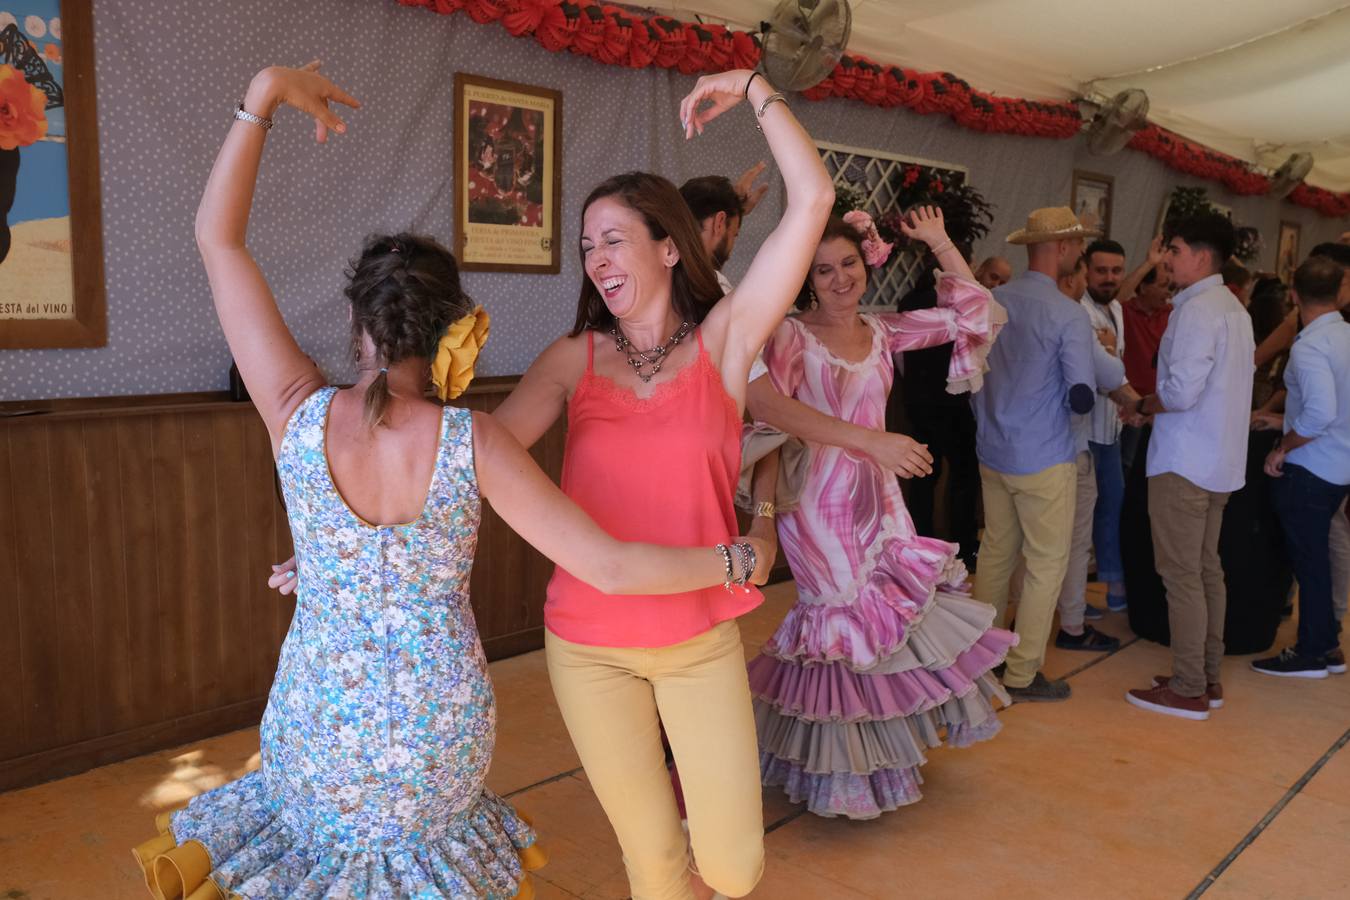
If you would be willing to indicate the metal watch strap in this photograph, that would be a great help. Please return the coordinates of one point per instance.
(244, 115)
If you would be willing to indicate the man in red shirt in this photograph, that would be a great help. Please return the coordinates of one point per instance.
(1146, 314)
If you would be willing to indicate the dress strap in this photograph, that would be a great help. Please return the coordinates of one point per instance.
(698, 333)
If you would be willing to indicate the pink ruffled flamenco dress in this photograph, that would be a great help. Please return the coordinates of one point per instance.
(885, 654)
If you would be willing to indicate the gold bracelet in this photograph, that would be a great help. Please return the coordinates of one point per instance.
(765, 509)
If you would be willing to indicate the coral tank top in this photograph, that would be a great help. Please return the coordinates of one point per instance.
(662, 470)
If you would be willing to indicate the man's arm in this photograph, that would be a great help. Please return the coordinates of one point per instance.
(1076, 364)
(897, 453)
(1189, 350)
(1130, 285)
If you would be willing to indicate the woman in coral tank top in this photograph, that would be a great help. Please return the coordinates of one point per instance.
(653, 378)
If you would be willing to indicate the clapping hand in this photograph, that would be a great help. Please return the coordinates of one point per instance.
(924, 223)
(1107, 338)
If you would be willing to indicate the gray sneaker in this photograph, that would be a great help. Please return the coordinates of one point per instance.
(1041, 690)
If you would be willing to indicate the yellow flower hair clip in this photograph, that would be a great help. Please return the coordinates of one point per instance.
(452, 369)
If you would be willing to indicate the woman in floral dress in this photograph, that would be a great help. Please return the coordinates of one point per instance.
(884, 655)
(380, 724)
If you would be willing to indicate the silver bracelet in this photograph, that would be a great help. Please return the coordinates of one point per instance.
(775, 97)
(747, 555)
(244, 115)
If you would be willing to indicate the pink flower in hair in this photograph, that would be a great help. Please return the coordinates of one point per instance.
(875, 250)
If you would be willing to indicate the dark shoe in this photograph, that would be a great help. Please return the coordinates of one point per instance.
(1163, 699)
(1093, 613)
(1090, 639)
(1335, 661)
(1289, 664)
(1117, 602)
(1213, 692)
(1041, 690)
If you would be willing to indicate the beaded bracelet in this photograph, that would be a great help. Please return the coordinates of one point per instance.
(726, 560)
(746, 552)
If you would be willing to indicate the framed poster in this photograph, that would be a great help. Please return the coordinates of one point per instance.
(51, 239)
(1286, 251)
(508, 176)
(1091, 199)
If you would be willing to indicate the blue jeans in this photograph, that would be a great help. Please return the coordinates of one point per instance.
(1106, 515)
(1305, 505)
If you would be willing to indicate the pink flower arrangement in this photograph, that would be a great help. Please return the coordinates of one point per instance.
(875, 250)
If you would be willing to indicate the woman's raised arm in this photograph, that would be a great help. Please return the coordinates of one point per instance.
(748, 315)
(278, 374)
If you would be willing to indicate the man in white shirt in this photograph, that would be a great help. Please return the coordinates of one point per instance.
(1196, 458)
(1105, 274)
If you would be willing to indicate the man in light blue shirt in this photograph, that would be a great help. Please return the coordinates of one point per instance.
(1311, 464)
(1040, 373)
(1197, 456)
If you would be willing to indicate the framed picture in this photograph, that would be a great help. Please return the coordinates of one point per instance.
(51, 238)
(508, 176)
(1286, 251)
(1091, 200)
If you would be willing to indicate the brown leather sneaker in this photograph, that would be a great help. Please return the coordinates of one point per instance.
(1335, 661)
(1163, 700)
(1213, 692)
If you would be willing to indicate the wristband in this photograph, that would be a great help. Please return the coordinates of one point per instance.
(747, 84)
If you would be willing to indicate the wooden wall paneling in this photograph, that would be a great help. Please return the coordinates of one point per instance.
(39, 666)
(14, 736)
(74, 589)
(173, 645)
(107, 571)
(135, 434)
(232, 523)
(256, 554)
(201, 555)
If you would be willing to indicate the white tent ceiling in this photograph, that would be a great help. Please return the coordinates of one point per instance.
(1252, 78)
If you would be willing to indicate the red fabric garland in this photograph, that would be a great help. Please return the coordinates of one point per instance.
(612, 35)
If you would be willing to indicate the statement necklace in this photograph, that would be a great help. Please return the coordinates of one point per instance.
(640, 359)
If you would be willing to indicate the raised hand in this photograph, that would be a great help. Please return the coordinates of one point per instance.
(720, 92)
(746, 190)
(303, 88)
(924, 223)
(1156, 250)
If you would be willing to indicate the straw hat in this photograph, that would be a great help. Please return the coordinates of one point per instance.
(1053, 223)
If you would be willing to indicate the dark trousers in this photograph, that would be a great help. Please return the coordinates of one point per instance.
(1305, 505)
(949, 432)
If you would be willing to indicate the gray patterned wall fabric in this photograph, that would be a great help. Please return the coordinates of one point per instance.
(168, 74)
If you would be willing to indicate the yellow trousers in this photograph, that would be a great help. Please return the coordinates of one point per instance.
(614, 700)
(1030, 515)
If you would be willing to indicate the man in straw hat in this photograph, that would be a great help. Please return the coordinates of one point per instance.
(1041, 373)
(1196, 457)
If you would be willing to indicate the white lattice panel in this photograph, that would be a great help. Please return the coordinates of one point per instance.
(879, 175)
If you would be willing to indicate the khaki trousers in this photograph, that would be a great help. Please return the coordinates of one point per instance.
(1029, 516)
(614, 700)
(1073, 593)
(1186, 520)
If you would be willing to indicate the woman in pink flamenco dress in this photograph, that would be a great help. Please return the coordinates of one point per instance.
(884, 654)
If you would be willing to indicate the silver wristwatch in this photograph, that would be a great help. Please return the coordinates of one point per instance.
(246, 116)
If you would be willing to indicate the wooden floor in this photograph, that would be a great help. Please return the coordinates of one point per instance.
(1089, 798)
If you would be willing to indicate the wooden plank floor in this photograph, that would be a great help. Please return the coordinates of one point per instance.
(1089, 798)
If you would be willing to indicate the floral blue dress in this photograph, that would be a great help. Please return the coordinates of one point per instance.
(380, 724)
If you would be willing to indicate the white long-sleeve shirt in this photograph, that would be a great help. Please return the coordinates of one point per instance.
(1106, 414)
(1205, 368)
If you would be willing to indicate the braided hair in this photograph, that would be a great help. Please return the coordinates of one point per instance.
(405, 291)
